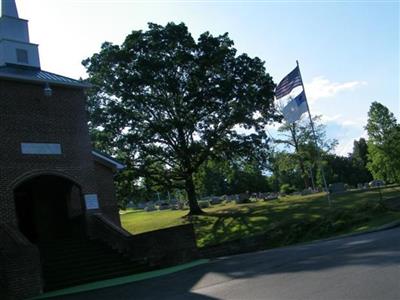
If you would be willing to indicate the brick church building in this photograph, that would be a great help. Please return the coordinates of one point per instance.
(59, 219)
(51, 180)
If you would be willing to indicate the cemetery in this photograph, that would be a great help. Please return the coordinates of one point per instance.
(353, 211)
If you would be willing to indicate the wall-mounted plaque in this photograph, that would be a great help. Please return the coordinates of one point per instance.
(91, 201)
(41, 148)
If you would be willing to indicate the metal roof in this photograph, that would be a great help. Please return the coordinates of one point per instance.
(118, 165)
(38, 75)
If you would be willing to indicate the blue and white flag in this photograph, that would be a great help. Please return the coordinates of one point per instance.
(287, 84)
(295, 108)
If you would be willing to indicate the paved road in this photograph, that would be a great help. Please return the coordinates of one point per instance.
(359, 267)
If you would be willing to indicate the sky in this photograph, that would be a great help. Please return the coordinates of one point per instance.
(348, 50)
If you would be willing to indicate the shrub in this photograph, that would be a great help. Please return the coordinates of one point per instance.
(287, 189)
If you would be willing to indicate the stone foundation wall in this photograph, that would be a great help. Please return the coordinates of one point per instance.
(160, 248)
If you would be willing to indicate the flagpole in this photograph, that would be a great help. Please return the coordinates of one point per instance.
(315, 137)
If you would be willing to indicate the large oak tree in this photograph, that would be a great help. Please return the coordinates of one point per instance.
(167, 103)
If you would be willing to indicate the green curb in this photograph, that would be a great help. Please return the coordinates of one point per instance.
(121, 280)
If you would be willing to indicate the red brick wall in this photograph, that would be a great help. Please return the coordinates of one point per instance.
(26, 115)
(20, 273)
(106, 192)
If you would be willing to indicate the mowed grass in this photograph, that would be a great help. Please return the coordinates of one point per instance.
(286, 221)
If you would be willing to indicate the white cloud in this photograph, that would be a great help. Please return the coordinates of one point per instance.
(345, 147)
(347, 132)
(339, 119)
(350, 123)
(320, 87)
(346, 142)
(328, 119)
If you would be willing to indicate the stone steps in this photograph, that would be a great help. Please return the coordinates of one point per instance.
(77, 261)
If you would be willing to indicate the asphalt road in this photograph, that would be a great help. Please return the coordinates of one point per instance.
(359, 267)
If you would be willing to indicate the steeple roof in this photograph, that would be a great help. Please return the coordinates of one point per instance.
(15, 47)
(19, 58)
(9, 8)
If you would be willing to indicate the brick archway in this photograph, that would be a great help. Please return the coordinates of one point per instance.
(48, 207)
(29, 175)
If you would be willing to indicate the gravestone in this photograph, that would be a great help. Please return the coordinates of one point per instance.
(141, 205)
(306, 192)
(150, 206)
(216, 200)
(338, 187)
(271, 196)
(376, 183)
(242, 198)
(163, 206)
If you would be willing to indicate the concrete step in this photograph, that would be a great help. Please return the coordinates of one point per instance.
(70, 262)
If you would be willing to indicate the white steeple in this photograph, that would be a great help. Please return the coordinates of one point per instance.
(15, 48)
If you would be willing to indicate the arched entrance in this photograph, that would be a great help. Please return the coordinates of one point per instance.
(48, 207)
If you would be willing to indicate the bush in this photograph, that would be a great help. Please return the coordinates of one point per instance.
(287, 189)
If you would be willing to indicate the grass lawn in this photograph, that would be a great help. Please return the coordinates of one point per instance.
(286, 221)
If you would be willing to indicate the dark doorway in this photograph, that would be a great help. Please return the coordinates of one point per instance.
(48, 207)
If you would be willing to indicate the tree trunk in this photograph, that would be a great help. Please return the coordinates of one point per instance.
(194, 208)
(304, 174)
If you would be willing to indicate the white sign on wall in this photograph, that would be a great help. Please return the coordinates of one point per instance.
(40, 148)
(91, 201)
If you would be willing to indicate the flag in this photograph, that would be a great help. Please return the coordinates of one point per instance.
(295, 108)
(287, 84)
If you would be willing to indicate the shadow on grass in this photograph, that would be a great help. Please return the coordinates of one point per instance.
(285, 222)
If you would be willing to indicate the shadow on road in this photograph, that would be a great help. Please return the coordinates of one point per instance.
(376, 249)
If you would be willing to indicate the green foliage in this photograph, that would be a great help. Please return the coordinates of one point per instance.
(211, 178)
(381, 123)
(359, 159)
(285, 170)
(230, 177)
(338, 169)
(360, 152)
(287, 188)
(383, 144)
(169, 103)
(247, 177)
(298, 137)
(299, 134)
(346, 169)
